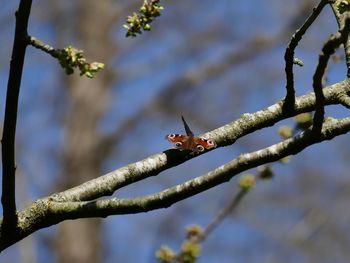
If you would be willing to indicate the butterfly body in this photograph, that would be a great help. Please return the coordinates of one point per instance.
(189, 141)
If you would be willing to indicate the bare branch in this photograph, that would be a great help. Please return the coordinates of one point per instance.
(344, 100)
(341, 11)
(291, 146)
(46, 212)
(223, 213)
(328, 49)
(54, 209)
(8, 198)
(37, 43)
(289, 54)
(223, 136)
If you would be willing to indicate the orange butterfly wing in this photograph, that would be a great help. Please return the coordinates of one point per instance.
(176, 138)
(205, 143)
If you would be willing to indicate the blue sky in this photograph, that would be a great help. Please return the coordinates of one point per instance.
(146, 66)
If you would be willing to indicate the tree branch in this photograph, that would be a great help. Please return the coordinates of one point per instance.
(46, 212)
(8, 199)
(102, 208)
(66, 205)
(344, 100)
(37, 43)
(223, 136)
(79, 202)
(289, 54)
(69, 58)
(328, 49)
(341, 11)
(222, 214)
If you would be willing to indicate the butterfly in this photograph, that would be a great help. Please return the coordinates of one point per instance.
(189, 141)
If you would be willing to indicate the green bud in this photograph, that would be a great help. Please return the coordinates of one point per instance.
(298, 62)
(194, 231)
(285, 132)
(143, 9)
(246, 181)
(265, 172)
(190, 251)
(303, 120)
(284, 159)
(165, 254)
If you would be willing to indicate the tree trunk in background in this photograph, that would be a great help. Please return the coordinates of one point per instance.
(79, 241)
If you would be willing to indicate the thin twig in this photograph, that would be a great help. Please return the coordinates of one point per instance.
(341, 9)
(289, 55)
(8, 198)
(37, 43)
(223, 213)
(328, 49)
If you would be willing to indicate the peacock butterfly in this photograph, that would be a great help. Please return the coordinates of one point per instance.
(189, 141)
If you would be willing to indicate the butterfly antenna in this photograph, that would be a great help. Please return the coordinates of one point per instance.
(187, 129)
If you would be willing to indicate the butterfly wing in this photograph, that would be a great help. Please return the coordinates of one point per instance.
(202, 144)
(195, 144)
(187, 129)
(176, 137)
(180, 141)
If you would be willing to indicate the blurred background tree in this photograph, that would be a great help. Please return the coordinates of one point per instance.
(209, 61)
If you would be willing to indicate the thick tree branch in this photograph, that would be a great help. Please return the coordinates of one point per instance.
(102, 208)
(344, 100)
(223, 136)
(328, 49)
(8, 199)
(289, 54)
(46, 212)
